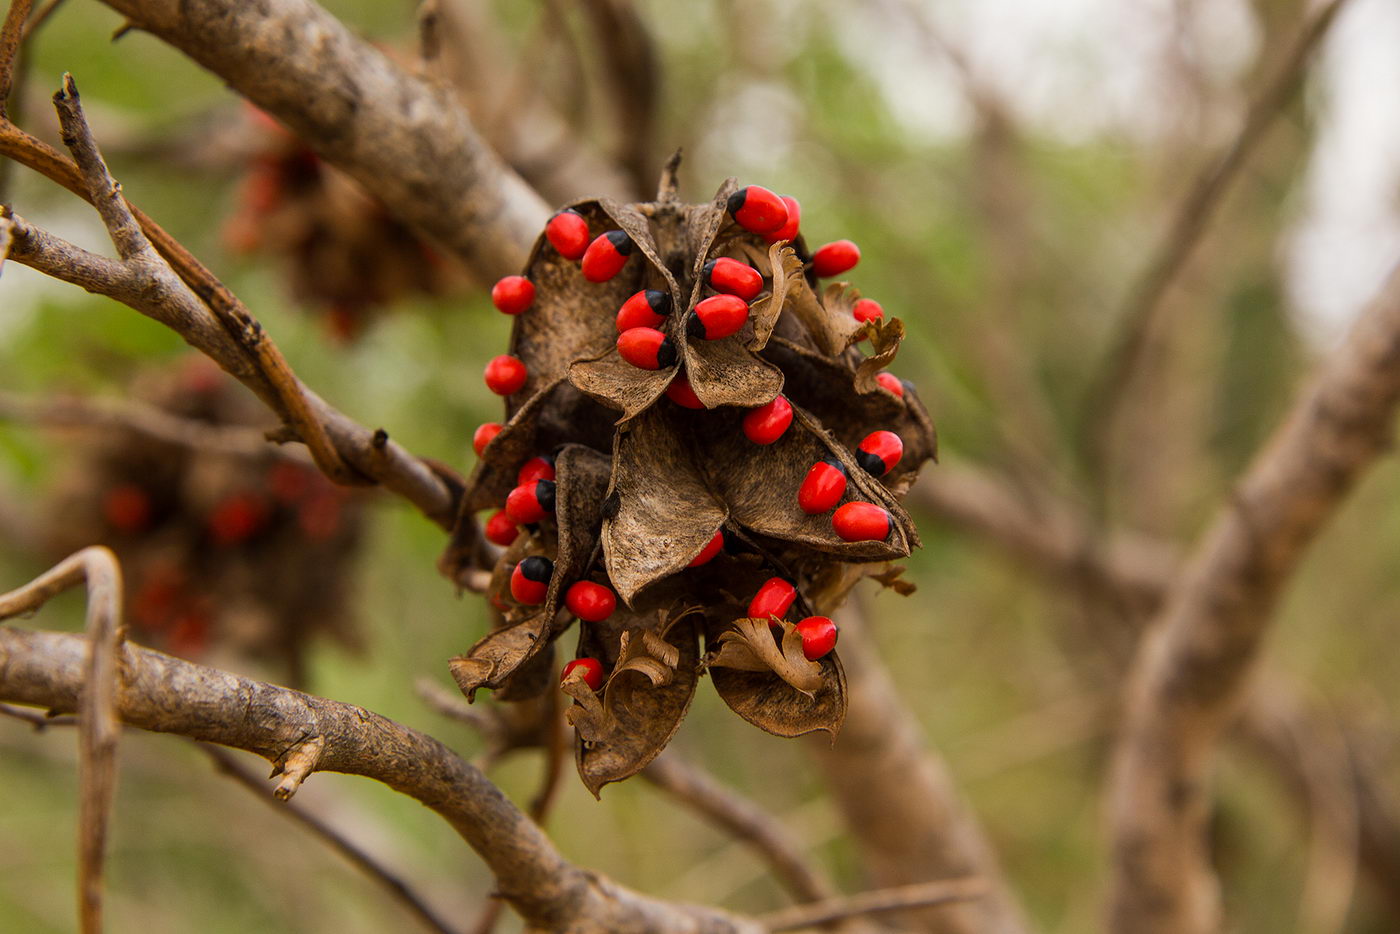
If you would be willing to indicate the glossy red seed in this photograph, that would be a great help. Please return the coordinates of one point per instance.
(718, 316)
(772, 599)
(867, 309)
(732, 278)
(646, 348)
(862, 522)
(789, 230)
(501, 529)
(879, 452)
(606, 256)
(531, 502)
(708, 553)
(681, 393)
(590, 602)
(536, 468)
(567, 232)
(766, 424)
(890, 382)
(237, 518)
(529, 582)
(590, 669)
(483, 436)
(513, 294)
(505, 375)
(127, 508)
(818, 637)
(646, 309)
(835, 258)
(822, 488)
(758, 210)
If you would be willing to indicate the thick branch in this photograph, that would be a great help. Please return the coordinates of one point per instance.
(1193, 664)
(900, 802)
(408, 142)
(165, 694)
(1142, 308)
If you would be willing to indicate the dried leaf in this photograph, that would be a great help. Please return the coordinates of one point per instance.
(620, 385)
(665, 511)
(786, 270)
(885, 338)
(749, 645)
(892, 579)
(639, 716)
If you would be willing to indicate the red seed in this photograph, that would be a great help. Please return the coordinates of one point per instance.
(732, 278)
(708, 553)
(767, 423)
(127, 508)
(189, 635)
(758, 210)
(505, 375)
(532, 502)
(590, 602)
(646, 348)
(818, 637)
(862, 522)
(718, 316)
(501, 528)
(867, 309)
(789, 230)
(646, 309)
(591, 670)
(823, 487)
(879, 452)
(890, 382)
(567, 231)
(288, 482)
(835, 258)
(529, 582)
(536, 468)
(606, 256)
(681, 393)
(772, 599)
(513, 294)
(319, 516)
(237, 518)
(484, 435)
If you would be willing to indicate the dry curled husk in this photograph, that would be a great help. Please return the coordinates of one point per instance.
(644, 484)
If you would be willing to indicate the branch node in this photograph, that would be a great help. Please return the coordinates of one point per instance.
(296, 765)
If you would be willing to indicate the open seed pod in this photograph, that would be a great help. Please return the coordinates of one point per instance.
(236, 555)
(696, 419)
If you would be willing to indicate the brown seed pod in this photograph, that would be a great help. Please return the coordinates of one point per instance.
(645, 480)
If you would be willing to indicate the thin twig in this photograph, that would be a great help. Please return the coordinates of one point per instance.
(702, 793)
(98, 730)
(361, 860)
(143, 419)
(186, 301)
(1139, 318)
(902, 898)
(1192, 666)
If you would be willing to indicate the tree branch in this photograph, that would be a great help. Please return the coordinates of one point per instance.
(900, 802)
(1193, 664)
(408, 142)
(392, 883)
(168, 695)
(1139, 317)
(903, 898)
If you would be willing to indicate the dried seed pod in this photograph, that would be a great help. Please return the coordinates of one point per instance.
(668, 506)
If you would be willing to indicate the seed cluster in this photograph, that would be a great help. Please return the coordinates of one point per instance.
(695, 446)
